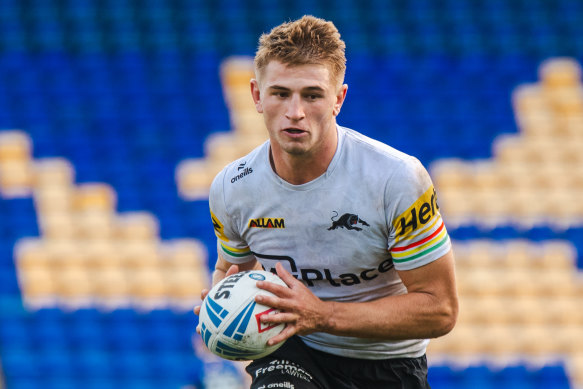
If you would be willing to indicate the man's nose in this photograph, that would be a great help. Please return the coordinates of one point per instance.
(295, 110)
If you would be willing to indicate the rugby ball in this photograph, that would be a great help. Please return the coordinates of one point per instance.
(230, 319)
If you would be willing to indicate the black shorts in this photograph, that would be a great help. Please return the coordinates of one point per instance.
(297, 366)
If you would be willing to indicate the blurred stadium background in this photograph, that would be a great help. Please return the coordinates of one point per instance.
(115, 114)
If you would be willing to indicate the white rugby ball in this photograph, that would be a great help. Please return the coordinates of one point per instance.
(230, 319)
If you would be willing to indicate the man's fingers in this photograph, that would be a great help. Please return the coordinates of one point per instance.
(285, 275)
(279, 318)
(276, 289)
(232, 270)
(285, 334)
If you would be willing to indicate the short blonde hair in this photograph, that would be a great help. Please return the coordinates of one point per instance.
(308, 40)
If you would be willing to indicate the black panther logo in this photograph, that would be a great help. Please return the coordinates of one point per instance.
(348, 221)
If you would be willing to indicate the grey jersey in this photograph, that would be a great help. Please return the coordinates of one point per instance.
(343, 235)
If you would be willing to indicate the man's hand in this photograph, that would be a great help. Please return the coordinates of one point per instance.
(203, 293)
(300, 310)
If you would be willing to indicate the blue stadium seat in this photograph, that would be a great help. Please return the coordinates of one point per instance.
(480, 377)
(554, 376)
(19, 365)
(514, 376)
(441, 377)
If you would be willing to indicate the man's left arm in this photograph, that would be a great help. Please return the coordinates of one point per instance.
(428, 310)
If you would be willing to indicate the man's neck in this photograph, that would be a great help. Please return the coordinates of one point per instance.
(302, 168)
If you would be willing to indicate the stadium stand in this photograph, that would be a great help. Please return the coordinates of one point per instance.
(114, 115)
(535, 176)
(194, 176)
(86, 254)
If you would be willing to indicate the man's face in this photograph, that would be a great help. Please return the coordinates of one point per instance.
(299, 105)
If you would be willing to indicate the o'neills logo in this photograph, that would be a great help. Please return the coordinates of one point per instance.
(246, 171)
(267, 222)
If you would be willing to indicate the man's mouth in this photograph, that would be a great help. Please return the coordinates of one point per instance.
(294, 130)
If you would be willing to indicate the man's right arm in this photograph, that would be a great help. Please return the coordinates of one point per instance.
(223, 266)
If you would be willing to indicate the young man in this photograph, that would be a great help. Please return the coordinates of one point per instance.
(351, 225)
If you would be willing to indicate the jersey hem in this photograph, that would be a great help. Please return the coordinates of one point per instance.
(373, 355)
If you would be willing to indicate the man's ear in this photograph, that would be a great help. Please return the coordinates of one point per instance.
(256, 94)
(340, 96)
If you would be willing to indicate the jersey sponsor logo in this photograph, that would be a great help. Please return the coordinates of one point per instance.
(267, 222)
(311, 276)
(349, 221)
(219, 227)
(420, 213)
(244, 171)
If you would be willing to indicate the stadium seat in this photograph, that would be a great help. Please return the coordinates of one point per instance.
(115, 102)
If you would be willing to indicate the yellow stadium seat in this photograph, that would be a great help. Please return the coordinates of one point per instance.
(558, 282)
(37, 283)
(575, 367)
(185, 285)
(53, 172)
(526, 311)
(111, 285)
(482, 310)
(183, 254)
(479, 284)
(136, 255)
(557, 254)
(497, 340)
(509, 149)
(456, 206)
(461, 341)
(570, 126)
(450, 174)
(14, 145)
(94, 224)
(539, 124)
(102, 254)
(141, 226)
(237, 72)
(565, 310)
(94, 197)
(558, 73)
(223, 148)
(517, 253)
(491, 206)
(529, 99)
(148, 288)
(482, 252)
(239, 99)
(249, 125)
(16, 178)
(56, 199)
(194, 178)
(62, 253)
(30, 254)
(73, 284)
(538, 340)
(569, 337)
